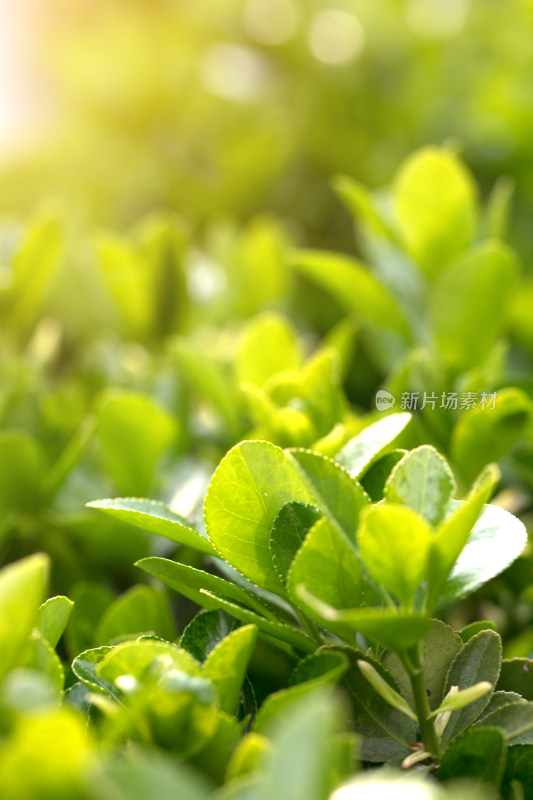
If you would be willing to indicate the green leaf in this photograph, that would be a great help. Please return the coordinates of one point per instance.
(477, 753)
(249, 754)
(515, 720)
(328, 566)
(385, 690)
(375, 478)
(352, 285)
(395, 630)
(136, 657)
(519, 768)
(360, 202)
(439, 647)
(497, 539)
(39, 655)
(517, 676)
(321, 390)
(22, 586)
(128, 283)
(289, 530)
(335, 492)
(477, 660)
(142, 609)
(22, 471)
(34, 266)
(245, 495)
(205, 631)
(138, 774)
(280, 704)
(498, 208)
(303, 750)
(213, 758)
(468, 631)
(487, 434)
(436, 225)
(90, 602)
(84, 668)
(155, 517)
(27, 691)
(365, 448)
(47, 753)
(423, 481)
(227, 663)
(211, 381)
(189, 582)
(470, 301)
(277, 631)
(324, 662)
(454, 532)
(394, 544)
(268, 345)
(463, 698)
(134, 432)
(52, 618)
(387, 733)
(162, 239)
(498, 700)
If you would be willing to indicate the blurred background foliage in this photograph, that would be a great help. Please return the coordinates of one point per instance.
(227, 108)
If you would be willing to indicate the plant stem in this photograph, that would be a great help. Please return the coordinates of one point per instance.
(413, 664)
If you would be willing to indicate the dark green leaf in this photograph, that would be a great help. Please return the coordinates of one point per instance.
(517, 676)
(439, 648)
(478, 753)
(477, 660)
(205, 631)
(289, 530)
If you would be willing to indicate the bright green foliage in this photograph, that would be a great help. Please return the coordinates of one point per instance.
(260, 478)
(22, 587)
(268, 346)
(355, 288)
(425, 216)
(328, 566)
(133, 432)
(52, 618)
(394, 543)
(422, 481)
(331, 534)
(469, 302)
(22, 467)
(141, 609)
(226, 665)
(485, 435)
(156, 518)
(358, 454)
